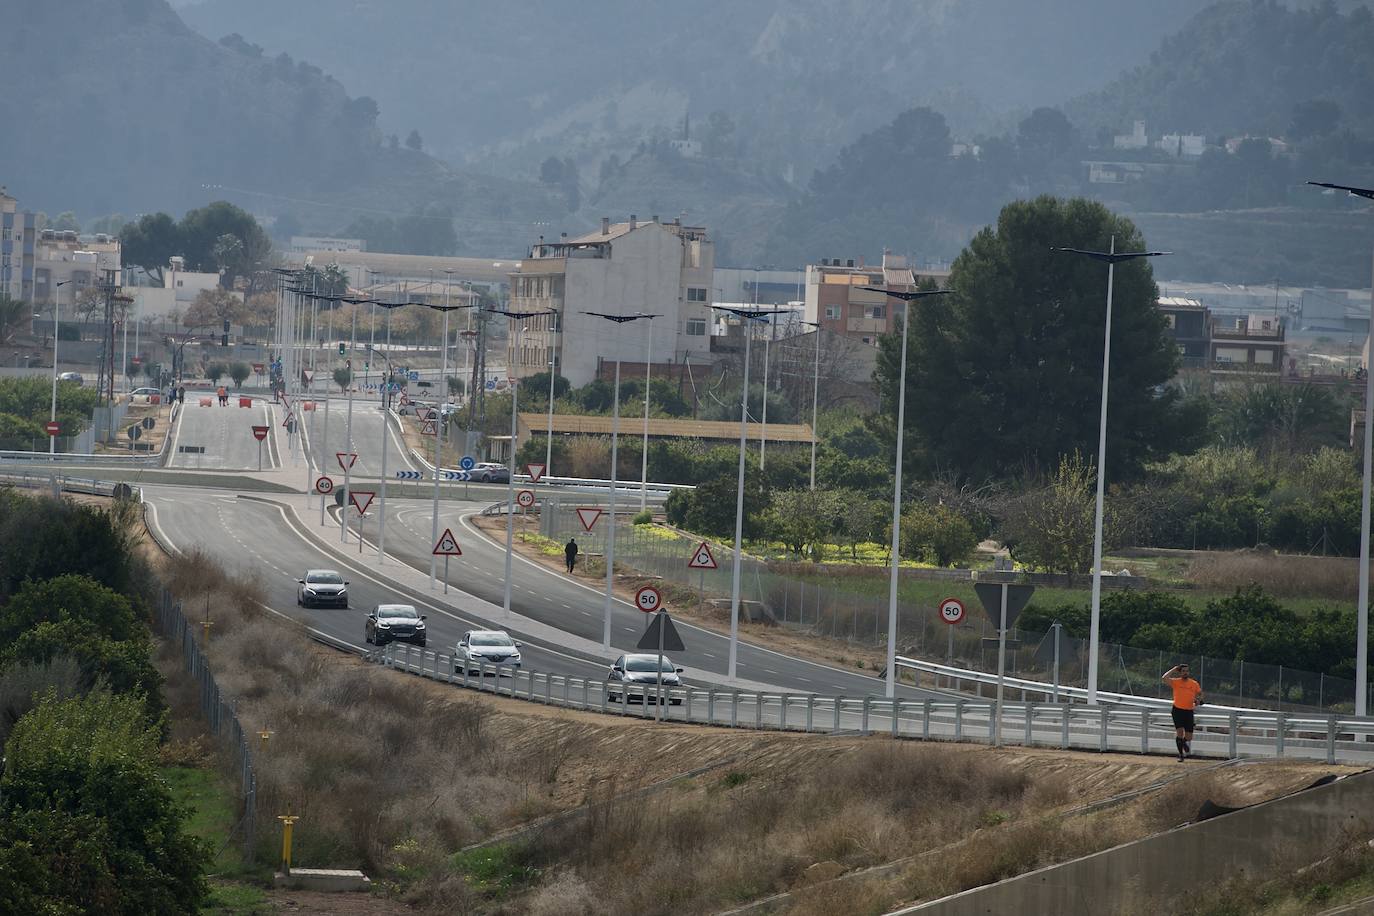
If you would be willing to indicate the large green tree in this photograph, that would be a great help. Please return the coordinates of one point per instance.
(1005, 374)
(150, 242)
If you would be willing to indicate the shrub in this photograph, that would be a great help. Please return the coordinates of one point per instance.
(937, 534)
(239, 372)
(94, 759)
(100, 610)
(41, 539)
(644, 518)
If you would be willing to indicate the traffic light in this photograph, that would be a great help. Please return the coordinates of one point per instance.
(341, 348)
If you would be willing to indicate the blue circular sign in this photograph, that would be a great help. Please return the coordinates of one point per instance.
(491, 384)
(467, 463)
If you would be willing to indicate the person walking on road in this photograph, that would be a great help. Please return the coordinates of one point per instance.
(1187, 697)
(223, 396)
(570, 552)
(181, 394)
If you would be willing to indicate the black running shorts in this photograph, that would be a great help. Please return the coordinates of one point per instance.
(1183, 718)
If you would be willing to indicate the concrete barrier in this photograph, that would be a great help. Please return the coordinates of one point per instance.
(1258, 842)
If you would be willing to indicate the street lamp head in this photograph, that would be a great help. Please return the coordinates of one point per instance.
(907, 296)
(1366, 193)
(620, 319)
(1112, 257)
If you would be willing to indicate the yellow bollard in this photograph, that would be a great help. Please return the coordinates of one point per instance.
(205, 626)
(264, 735)
(287, 820)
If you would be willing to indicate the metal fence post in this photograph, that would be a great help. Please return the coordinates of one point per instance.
(1282, 726)
(925, 718)
(1234, 727)
(711, 706)
(863, 722)
(810, 709)
(1145, 731)
(896, 715)
(959, 720)
(1065, 710)
(1330, 739)
(734, 708)
(782, 713)
(1102, 737)
(838, 704)
(1030, 718)
(758, 709)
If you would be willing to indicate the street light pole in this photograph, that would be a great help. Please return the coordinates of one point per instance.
(615, 457)
(644, 448)
(548, 436)
(515, 322)
(747, 315)
(1111, 257)
(895, 559)
(1362, 611)
(56, 307)
(815, 398)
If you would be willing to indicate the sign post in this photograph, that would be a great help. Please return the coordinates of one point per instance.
(360, 499)
(661, 636)
(446, 547)
(952, 613)
(1009, 600)
(260, 433)
(702, 560)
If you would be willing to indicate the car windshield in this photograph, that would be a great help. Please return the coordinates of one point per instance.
(325, 578)
(397, 610)
(647, 664)
(491, 639)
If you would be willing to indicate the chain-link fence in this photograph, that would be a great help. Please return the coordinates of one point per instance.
(837, 613)
(219, 713)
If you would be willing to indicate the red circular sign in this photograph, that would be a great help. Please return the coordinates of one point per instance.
(324, 486)
(525, 498)
(648, 599)
(53, 428)
(952, 611)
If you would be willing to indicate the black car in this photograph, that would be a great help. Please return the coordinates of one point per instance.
(395, 623)
(322, 588)
(490, 472)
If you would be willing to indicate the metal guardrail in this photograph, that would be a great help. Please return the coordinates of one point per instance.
(1063, 725)
(134, 459)
(949, 677)
(66, 483)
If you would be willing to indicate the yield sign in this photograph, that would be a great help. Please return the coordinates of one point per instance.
(351, 456)
(672, 642)
(588, 517)
(447, 546)
(260, 433)
(990, 594)
(289, 422)
(308, 376)
(701, 558)
(535, 471)
(361, 499)
(405, 399)
(428, 428)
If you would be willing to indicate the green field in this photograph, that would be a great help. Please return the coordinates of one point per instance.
(214, 811)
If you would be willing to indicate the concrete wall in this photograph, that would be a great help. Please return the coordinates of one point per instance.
(1260, 842)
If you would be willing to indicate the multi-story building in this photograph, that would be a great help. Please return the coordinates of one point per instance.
(663, 269)
(1190, 326)
(63, 256)
(836, 295)
(1247, 345)
(17, 238)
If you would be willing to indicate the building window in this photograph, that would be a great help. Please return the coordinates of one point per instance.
(832, 312)
(5, 234)
(696, 294)
(696, 327)
(878, 313)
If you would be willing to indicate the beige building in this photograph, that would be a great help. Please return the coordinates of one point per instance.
(67, 258)
(836, 296)
(663, 269)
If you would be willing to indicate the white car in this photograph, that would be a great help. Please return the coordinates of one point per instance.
(485, 647)
(642, 669)
(145, 395)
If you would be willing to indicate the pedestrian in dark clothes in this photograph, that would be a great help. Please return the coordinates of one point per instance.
(570, 552)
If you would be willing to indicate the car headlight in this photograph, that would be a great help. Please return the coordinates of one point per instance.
(420, 625)
(383, 624)
(515, 656)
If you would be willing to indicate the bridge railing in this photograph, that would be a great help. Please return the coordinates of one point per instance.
(1219, 733)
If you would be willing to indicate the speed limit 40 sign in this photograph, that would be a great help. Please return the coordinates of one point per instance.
(952, 611)
(648, 599)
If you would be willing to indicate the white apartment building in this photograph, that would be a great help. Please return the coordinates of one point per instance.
(663, 269)
(16, 248)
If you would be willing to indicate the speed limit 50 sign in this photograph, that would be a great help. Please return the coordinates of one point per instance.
(648, 599)
(952, 611)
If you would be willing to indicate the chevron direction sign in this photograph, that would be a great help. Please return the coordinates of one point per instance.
(408, 475)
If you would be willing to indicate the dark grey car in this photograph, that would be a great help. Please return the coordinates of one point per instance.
(322, 588)
(395, 623)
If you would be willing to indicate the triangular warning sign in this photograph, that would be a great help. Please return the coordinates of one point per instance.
(288, 422)
(701, 558)
(588, 517)
(672, 642)
(535, 471)
(428, 428)
(307, 375)
(447, 545)
(361, 499)
(351, 456)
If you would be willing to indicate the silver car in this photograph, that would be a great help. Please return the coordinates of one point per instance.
(641, 669)
(322, 588)
(485, 647)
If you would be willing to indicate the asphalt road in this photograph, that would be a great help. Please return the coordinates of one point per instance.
(226, 434)
(576, 608)
(366, 439)
(254, 538)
